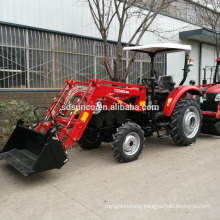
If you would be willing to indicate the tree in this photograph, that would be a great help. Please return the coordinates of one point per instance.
(124, 12)
(209, 13)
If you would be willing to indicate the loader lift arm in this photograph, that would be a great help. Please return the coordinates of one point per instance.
(74, 126)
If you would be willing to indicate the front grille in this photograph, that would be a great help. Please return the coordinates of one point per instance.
(209, 106)
(210, 96)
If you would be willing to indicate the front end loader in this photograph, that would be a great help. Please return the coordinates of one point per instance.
(105, 111)
(33, 150)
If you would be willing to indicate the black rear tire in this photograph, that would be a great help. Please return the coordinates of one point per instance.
(128, 142)
(185, 122)
(89, 141)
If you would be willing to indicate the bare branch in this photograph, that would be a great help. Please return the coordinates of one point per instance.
(209, 13)
(122, 11)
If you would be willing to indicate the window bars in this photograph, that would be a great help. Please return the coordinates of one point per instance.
(39, 59)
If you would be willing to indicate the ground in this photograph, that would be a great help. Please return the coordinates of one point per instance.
(166, 182)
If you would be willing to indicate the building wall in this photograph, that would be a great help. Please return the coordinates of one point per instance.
(37, 98)
(176, 64)
(208, 61)
(74, 17)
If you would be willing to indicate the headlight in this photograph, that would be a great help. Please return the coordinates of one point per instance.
(204, 97)
(217, 97)
(98, 107)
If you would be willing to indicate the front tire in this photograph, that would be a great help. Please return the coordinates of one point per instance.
(185, 122)
(128, 142)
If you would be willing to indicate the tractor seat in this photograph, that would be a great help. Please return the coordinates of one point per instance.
(166, 84)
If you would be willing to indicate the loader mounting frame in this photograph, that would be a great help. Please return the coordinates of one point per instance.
(110, 93)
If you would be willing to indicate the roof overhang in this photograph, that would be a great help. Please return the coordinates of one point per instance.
(160, 48)
(201, 35)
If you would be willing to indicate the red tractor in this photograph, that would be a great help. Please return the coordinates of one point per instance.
(211, 103)
(107, 111)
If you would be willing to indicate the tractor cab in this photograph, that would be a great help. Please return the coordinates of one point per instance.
(211, 104)
(178, 114)
(159, 89)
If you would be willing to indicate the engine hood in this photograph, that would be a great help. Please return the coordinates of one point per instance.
(214, 89)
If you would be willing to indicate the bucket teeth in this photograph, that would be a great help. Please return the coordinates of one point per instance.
(65, 161)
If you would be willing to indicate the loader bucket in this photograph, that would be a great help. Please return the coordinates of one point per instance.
(31, 152)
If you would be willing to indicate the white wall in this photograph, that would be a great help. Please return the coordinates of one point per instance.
(208, 55)
(176, 64)
(208, 59)
(73, 16)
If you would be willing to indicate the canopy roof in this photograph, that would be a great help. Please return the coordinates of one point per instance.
(160, 48)
(201, 35)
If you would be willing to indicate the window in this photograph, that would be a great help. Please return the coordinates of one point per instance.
(12, 67)
(39, 59)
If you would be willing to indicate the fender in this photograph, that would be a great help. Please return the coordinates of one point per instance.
(177, 94)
